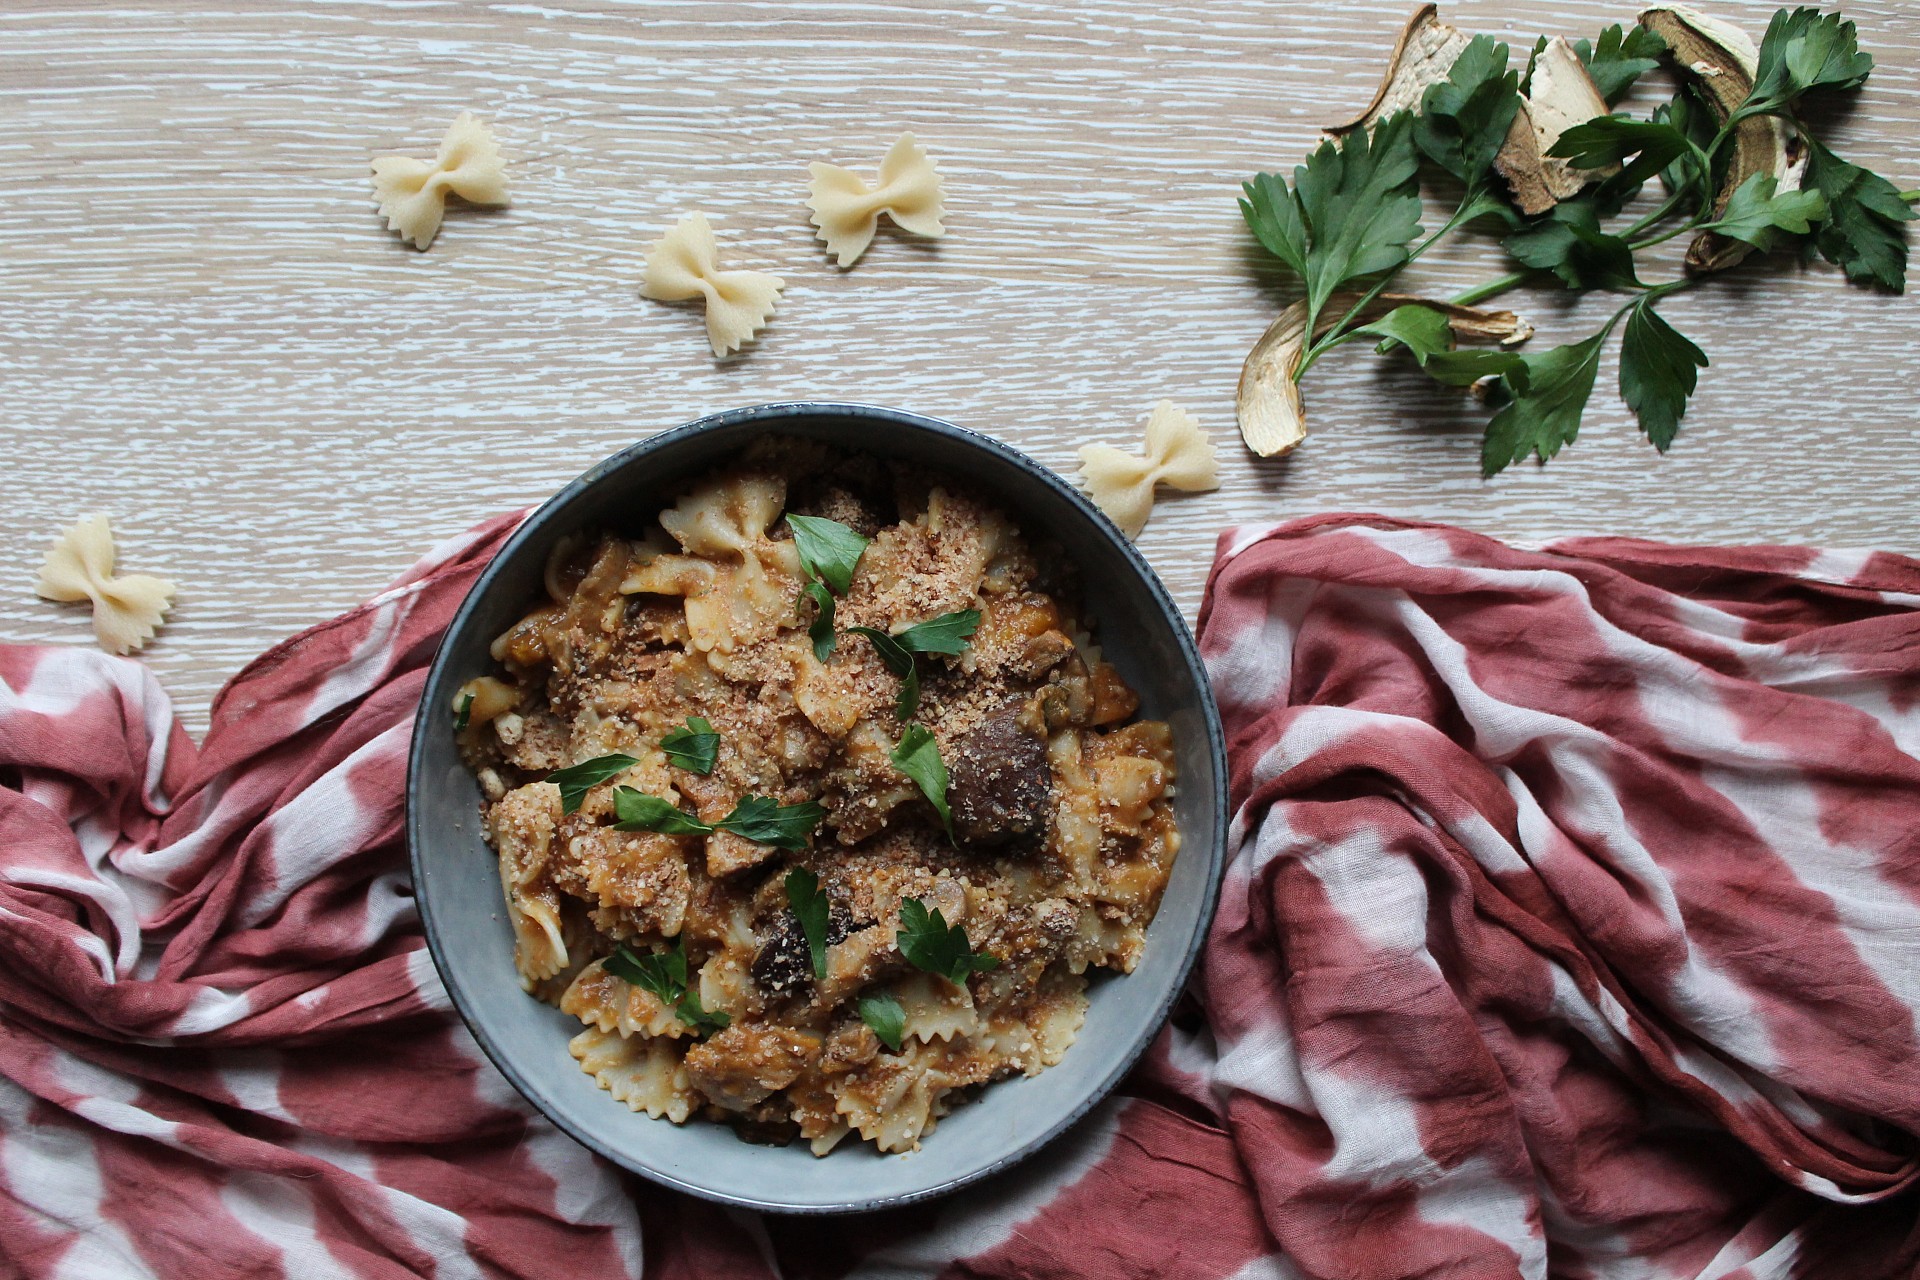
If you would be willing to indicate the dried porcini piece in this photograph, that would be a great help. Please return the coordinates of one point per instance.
(1560, 95)
(1723, 62)
(1272, 417)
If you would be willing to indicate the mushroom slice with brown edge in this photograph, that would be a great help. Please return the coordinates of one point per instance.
(1722, 62)
(1560, 95)
(1272, 418)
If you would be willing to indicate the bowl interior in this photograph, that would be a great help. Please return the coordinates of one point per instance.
(459, 891)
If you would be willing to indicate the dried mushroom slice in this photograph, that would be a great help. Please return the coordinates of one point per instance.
(1422, 56)
(1272, 418)
(1722, 62)
(1560, 95)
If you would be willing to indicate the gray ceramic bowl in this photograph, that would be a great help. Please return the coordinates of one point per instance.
(458, 887)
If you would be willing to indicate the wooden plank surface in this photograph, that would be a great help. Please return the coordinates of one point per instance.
(206, 332)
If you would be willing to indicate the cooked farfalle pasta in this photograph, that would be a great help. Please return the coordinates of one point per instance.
(685, 264)
(79, 566)
(847, 211)
(679, 945)
(1179, 456)
(412, 194)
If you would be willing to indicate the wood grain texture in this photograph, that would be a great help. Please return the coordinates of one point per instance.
(205, 331)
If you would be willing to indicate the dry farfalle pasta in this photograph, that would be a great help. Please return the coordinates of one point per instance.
(79, 566)
(847, 210)
(413, 193)
(1179, 456)
(684, 263)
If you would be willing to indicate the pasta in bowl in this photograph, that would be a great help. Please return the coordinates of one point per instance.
(819, 807)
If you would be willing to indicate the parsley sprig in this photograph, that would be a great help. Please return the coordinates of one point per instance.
(917, 755)
(829, 553)
(1349, 220)
(928, 942)
(664, 974)
(695, 748)
(576, 780)
(946, 634)
(758, 818)
(810, 908)
(889, 1021)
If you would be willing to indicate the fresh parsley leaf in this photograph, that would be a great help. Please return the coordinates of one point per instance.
(946, 634)
(918, 756)
(696, 748)
(1804, 50)
(810, 909)
(888, 1020)
(1618, 58)
(1544, 400)
(1568, 241)
(576, 780)
(828, 549)
(1863, 234)
(1609, 140)
(764, 820)
(664, 975)
(1696, 122)
(638, 811)
(1350, 212)
(820, 630)
(1425, 332)
(899, 660)
(929, 943)
(1464, 119)
(1659, 368)
(463, 715)
(1758, 212)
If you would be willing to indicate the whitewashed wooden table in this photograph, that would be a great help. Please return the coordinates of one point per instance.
(206, 332)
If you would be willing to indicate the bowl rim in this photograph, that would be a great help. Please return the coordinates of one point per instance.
(771, 414)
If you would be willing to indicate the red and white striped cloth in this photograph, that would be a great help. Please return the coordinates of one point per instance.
(1572, 929)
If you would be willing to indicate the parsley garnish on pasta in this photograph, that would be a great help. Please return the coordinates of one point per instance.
(810, 909)
(694, 748)
(664, 975)
(576, 780)
(761, 819)
(918, 756)
(928, 942)
(888, 1020)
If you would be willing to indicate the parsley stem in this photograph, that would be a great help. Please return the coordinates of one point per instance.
(1665, 209)
(1910, 196)
(1492, 288)
(1471, 208)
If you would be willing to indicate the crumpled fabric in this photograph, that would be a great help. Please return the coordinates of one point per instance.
(1571, 928)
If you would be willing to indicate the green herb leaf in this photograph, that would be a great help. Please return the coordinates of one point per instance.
(828, 549)
(1618, 58)
(810, 909)
(918, 756)
(1608, 140)
(1804, 50)
(1863, 234)
(1464, 119)
(576, 780)
(695, 748)
(820, 630)
(1544, 400)
(639, 811)
(888, 1020)
(1425, 332)
(764, 820)
(664, 975)
(899, 660)
(1568, 241)
(463, 715)
(1350, 212)
(1758, 212)
(947, 633)
(1659, 368)
(928, 942)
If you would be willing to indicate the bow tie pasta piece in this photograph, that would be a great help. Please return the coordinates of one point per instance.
(413, 193)
(79, 566)
(1179, 456)
(847, 211)
(684, 263)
